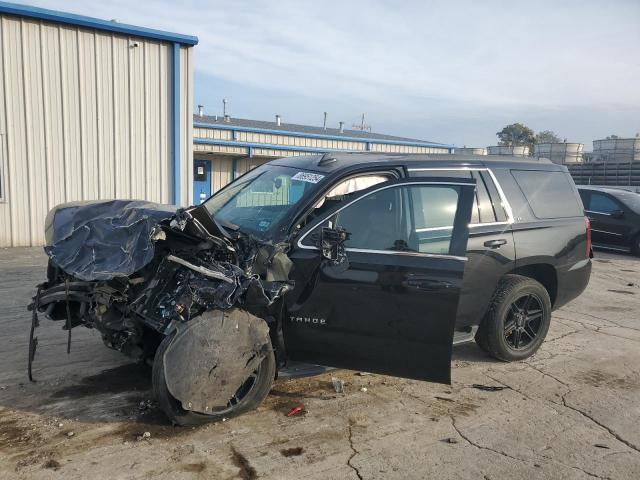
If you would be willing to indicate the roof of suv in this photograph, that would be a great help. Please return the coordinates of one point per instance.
(334, 161)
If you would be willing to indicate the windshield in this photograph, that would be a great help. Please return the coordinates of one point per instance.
(257, 202)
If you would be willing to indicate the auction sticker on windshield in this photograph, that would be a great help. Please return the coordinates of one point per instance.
(307, 177)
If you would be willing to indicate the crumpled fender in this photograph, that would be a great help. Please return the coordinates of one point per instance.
(212, 355)
(100, 240)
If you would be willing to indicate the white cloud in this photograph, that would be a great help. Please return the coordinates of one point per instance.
(465, 57)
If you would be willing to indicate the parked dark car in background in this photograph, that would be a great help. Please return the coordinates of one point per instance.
(615, 217)
(363, 261)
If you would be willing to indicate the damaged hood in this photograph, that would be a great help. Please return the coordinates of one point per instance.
(100, 240)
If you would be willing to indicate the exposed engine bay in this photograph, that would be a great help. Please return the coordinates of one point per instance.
(138, 272)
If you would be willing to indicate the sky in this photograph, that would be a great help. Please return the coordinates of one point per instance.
(447, 71)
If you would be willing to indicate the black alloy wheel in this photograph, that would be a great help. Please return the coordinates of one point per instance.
(523, 321)
(517, 320)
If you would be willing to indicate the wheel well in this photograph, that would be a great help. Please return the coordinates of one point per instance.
(543, 273)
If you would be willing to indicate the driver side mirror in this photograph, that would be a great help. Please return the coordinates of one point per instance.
(617, 214)
(332, 243)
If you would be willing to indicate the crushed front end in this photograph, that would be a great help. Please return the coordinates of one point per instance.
(138, 272)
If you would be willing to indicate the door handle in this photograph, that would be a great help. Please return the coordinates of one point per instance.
(495, 243)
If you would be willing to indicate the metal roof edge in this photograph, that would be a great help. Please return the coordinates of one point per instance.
(267, 146)
(95, 23)
(240, 128)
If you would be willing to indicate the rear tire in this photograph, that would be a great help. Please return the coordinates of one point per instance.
(172, 407)
(517, 321)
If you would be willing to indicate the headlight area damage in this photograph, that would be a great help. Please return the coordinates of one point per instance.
(141, 273)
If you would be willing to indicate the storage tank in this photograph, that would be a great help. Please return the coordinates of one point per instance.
(617, 150)
(560, 153)
(517, 150)
(471, 150)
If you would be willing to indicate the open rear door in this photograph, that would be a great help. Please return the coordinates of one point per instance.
(391, 306)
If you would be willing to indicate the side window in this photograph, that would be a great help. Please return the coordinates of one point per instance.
(434, 209)
(341, 191)
(496, 201)
(486, 213)
(475, 217)
(602, 203)
(487, 206)
(416, 218)
(550, 194)
(375, 222)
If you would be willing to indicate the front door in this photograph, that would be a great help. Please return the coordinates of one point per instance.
(608, 225)
(201, 181)
(391, 306)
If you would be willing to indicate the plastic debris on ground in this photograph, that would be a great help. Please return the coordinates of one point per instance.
(295, 410)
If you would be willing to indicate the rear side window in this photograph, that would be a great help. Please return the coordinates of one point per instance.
(550, 194)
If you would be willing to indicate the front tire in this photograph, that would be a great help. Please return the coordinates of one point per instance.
(517, 321)
(251, 394)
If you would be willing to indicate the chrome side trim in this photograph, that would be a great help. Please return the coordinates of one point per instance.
(599, 213)
(434, 229)
(471, 225)
(487, 224)
(607, 247)
(394, 252)
(407, 254)
(503, 198)
(608, 233)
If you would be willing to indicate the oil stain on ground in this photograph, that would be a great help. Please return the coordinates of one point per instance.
(130, 377)
(247, 472)
(598, 378)
(292, 452)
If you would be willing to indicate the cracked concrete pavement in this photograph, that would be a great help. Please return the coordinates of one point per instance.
(572, 411)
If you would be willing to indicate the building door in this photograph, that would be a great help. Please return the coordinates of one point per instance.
(201, 181)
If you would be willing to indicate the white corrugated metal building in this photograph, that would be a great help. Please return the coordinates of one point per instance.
(89, 109)
(226, 147)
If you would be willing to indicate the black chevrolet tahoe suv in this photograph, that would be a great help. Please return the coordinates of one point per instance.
(372, 262)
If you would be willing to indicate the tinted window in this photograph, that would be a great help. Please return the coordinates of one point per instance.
(602, 203)
(550, 194)
(475, 218)
(496, 201)
(485, 208)
(487, 205)
(404, 218)
(433, 207)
